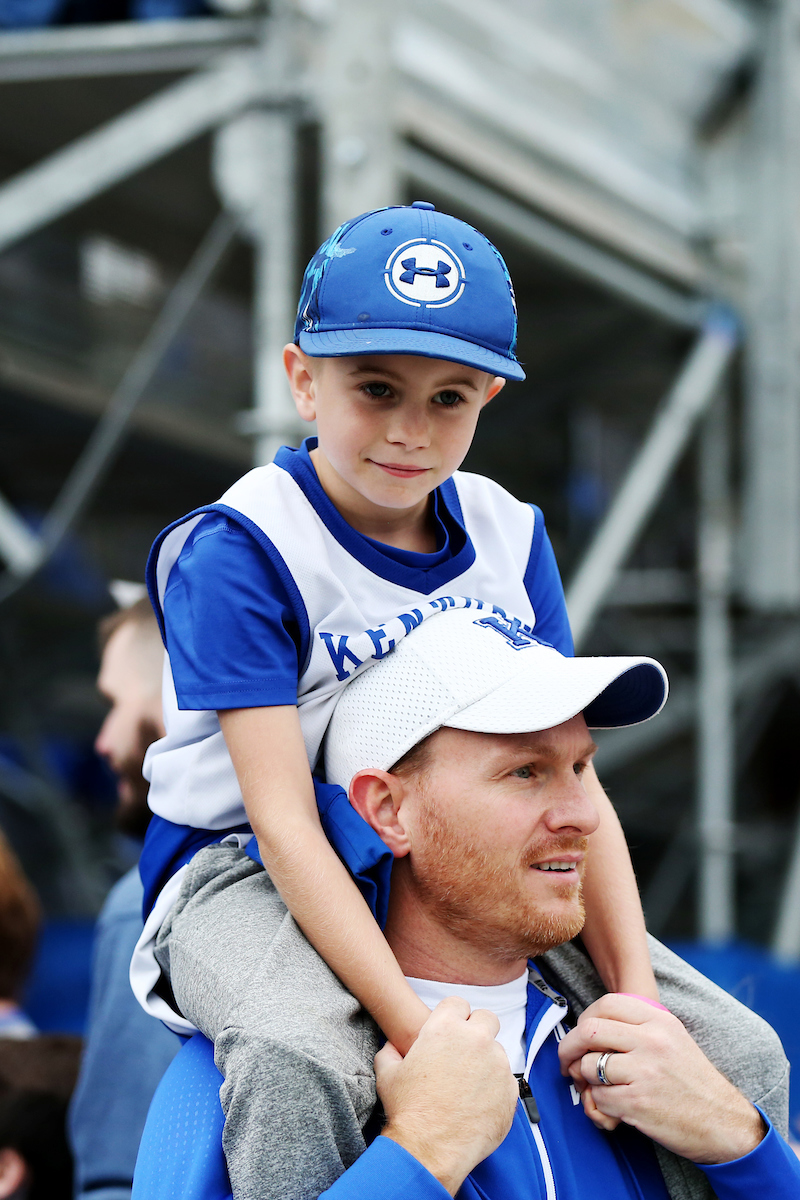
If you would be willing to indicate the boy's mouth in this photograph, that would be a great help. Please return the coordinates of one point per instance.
(400, 471)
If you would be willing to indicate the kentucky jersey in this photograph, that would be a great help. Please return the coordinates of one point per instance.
(335, 600)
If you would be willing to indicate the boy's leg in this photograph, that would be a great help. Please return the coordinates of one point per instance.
(294, 1046)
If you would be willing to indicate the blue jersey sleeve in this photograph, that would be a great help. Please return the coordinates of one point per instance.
(772, 1169)
(231, 632)
(385, 1171)
(545, 590)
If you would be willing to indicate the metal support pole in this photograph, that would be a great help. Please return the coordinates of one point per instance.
(715, 803)
(356, 101)
(786, 943)
(98, 454)
(20, 548)
(130, 142)
(255, 171)
(689, 397)
(771, 486)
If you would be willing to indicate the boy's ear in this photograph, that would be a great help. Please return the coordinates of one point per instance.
(378, 797)
(497, 385)
(300, 373)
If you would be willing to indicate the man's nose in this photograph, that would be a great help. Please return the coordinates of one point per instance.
(102, 743)
(572, 808)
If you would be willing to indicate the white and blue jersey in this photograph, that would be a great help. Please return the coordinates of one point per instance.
(269, 597)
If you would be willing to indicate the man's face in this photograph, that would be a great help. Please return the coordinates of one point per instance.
(391, 427)
(130, 680)
(498, 831)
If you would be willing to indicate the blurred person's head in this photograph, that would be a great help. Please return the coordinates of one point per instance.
(131, 663)
(36, 1081)
(19, 925)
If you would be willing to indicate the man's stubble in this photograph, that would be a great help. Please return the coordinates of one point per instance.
(485, 902)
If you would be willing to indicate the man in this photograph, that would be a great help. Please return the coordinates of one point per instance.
(126, 1053)
(463, 751)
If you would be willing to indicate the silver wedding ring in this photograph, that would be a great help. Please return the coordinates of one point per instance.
(602, 1063)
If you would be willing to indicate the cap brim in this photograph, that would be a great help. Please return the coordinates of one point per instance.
(342, 343)
(610, 692)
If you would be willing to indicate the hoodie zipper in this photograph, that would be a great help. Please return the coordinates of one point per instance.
(551, 1017)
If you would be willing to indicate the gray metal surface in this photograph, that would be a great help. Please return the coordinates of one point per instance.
(770, 579)
(691, 394)
(97, 458)
(126, 47)
(132, 141)
(715, 742)
(575, 254)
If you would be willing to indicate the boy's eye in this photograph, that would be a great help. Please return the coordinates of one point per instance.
(522, 772)
(378, 390)
(448, 399)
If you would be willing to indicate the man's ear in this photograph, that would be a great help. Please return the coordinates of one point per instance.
(13, 1172)
(378, 797)
(300, 373)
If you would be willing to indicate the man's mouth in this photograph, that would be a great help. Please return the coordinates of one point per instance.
(555, 866)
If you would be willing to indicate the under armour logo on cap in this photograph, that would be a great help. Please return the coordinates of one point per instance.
(425, 273)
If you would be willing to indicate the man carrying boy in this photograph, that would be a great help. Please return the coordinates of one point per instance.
(464, 752)
(310, 570)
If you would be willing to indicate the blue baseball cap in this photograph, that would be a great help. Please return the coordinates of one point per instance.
(410, 280)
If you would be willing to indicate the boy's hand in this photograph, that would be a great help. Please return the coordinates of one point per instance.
(450, 1102)
(659, 1081)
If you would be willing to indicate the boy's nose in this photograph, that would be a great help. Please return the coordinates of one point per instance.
(409, 428)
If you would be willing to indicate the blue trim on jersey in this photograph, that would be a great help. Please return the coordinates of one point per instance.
(168, 847)
(449, 493)
(272, 552)
(542, 579)
(420, 578)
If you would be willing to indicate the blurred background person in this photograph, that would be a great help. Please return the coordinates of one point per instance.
(37, 1076)
(126, 1052)
(19, 926)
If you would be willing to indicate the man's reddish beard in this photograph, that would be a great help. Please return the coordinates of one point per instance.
(485, 901)
(132, 816)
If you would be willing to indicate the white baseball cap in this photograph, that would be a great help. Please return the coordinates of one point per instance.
(485, 673)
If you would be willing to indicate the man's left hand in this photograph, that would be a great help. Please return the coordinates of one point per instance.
(660, 1082)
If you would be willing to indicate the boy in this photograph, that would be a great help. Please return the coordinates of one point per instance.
(308, 571)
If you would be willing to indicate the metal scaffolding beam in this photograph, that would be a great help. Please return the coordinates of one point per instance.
(688, 399)
(256, 174)
(716, 751)
(577, 256)
(355, 98)
(124, 47)
(19, 547)
(771, 495)
(154, 128)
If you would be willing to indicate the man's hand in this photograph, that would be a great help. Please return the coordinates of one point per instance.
(660, 1082)
(450, 1102)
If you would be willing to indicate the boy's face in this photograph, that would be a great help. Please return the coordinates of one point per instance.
(391, 427)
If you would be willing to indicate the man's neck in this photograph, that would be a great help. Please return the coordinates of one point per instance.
(426, 950)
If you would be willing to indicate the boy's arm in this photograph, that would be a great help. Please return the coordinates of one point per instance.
(267, 749)
(614, 933)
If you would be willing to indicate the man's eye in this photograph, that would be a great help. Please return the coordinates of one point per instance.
(522, 772)
(379, 391)
(448, 399)
(579, 768)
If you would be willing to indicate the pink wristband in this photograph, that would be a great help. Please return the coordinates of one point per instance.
(646, 999)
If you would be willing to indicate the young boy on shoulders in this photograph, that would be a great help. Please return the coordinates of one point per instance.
(312, 568)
